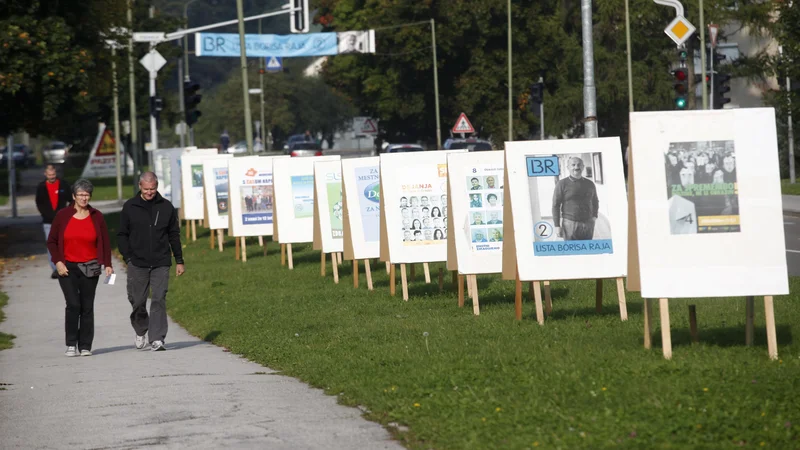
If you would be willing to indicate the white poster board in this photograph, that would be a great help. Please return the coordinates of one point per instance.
(328, 208)
(708, 208)
(215, 183)
(476, 199)
(251, 195)
(565, 210)
(162, 167)
(102, 160)
(192, 184)
(413, 189)
(293, 180)
(361, 184)
(172, 172)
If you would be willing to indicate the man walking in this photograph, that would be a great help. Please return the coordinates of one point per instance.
(575, 204)
(52, 194)
(148, 229)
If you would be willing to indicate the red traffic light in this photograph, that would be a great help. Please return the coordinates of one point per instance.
(680, 74)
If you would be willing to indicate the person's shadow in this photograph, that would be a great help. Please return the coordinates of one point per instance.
(170, 346)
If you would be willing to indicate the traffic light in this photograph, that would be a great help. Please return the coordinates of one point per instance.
(536, 98)
(681, 80)
(156, 106)
(721, 88)
(190, 101)
(299, 20)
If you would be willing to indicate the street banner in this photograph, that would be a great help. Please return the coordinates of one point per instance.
(285, 46)
(707, 211)
(569, 215)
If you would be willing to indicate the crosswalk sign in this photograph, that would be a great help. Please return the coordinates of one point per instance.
(463, 125)
(274, 63)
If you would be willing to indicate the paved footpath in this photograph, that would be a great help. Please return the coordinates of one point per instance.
(194, 395)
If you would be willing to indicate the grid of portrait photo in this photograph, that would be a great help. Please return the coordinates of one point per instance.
(485, 210)
(424, 217)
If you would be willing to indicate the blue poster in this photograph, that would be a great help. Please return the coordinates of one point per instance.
(368, 181)
(262, 45)
(303, 196)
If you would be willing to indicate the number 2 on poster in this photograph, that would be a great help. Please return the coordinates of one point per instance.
(543, 230)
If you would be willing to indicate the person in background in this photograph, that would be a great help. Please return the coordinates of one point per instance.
(148, 230)
(79, 245)
(224, 141)
(52, 195)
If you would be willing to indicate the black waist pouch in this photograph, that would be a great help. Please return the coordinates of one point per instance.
(90, 269)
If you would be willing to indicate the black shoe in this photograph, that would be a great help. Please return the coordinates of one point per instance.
(54, 275)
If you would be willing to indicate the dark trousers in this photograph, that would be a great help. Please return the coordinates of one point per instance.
(79, 313)
(141, 281)
(578, 231)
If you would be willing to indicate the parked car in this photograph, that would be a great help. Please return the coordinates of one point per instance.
(471, 144)
(241, 147)
(23, 156)
(56, 153)
(304, 149)
(402, 148)
(296, 138)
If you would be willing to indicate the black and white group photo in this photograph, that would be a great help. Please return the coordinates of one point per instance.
(424, 217)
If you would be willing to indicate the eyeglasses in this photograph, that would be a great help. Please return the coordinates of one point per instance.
(83, 195)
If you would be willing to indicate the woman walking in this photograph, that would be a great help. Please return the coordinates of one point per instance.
(79, 245)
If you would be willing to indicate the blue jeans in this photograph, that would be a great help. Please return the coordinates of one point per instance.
(46, 227)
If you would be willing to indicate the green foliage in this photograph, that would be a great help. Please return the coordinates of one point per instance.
(6, 340)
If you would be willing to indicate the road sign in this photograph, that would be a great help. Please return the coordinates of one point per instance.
(365, 126)
(153, 61)
(679, 30)
(463, 125)
(150, 36)
(254, 91)
(274, 63)
(713, 31)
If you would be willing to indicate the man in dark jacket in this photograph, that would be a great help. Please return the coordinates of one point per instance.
(149, 229)
(52, 195)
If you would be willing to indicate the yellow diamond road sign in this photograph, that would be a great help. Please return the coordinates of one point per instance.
(679, 30)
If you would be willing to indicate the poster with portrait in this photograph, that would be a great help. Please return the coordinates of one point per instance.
(413, 202)
(192, 183)
(476, 199)
(251, 195)
(215, 194)
(356, 42)
(293, 202)
(568, 209)
(361, 185)
(707, 207)
(328, 208)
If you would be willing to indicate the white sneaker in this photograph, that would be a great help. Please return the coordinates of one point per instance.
(141, 341)
(158, 346)
(71, 351)
(86, 353)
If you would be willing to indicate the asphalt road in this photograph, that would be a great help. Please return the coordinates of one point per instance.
(791, 226)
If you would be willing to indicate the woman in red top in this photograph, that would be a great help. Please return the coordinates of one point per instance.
(79, 245)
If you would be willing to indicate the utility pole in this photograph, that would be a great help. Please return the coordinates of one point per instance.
(589, 91)
(117, 136)
(703, 56)
(790, 130)
(181, 103)
(510, 75)
(248, 126)
(628, 46)
(541, 111)
(12, 176)
(132, 83)
(436, 87)
(261, 85)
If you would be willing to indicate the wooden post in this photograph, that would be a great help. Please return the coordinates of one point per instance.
(188, 230)
(388, 268)
(355, 273)
(265, 246)
(623, 305)
(548, 301)
(413, 272)
(236, 250)
(283, 254)
(538, 296)
(772, 338)
(598, 295)
(454, 274)
(460, 290)
(244, 249)
(289, 256)
(518, 297)
(368, 271)
(693, 324)
(341, 258)
(475, 304)
(392, 279)
(220, 241)
(322, 258)
(469, 287)
(335, 268)
(427, 271)
(261, 241)
(648, 323)
(404, 281)
(750, 306)
(194, 230)
(441, 279)
(666, 337)
(211, 239)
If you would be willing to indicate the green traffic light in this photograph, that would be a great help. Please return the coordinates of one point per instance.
(680, 103)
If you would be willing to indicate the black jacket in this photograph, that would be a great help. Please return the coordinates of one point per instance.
(146, 236)
(43, 200)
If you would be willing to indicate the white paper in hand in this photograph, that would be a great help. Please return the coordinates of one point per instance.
(110, 279)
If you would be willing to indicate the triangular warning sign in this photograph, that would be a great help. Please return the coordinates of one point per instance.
(463, 125)
(369, 127)
(274, 63)
(106, 145)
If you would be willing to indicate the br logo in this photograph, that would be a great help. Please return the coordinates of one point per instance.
(542, 166)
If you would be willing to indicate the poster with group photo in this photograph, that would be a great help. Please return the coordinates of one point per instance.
(251, 195)
(328, 219)
(476, 196)
(215, 182)
(192, 183)
(361, 185)
(293, 184)
(569, 214)
(708, 208)
(414, 203)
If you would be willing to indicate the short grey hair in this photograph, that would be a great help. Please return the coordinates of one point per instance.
(580, 160)
(148, 177)
(82, 185)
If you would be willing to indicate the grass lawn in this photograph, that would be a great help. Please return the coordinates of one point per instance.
(3, 199)
(789, 188)
(5, 339)
(104, 188)
(583, 380)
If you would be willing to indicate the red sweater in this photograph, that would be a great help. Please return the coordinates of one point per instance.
(80, 240)
(55, 242)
